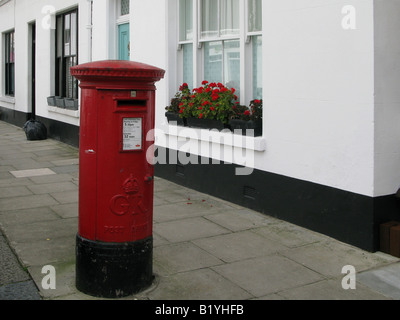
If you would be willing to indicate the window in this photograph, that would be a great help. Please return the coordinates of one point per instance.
(124, 7)
(254, 33)
(9, 64)
(186, 39)
(219, 39)
(220, 35)
(66, 54)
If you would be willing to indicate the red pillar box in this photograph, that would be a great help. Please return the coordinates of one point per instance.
(114, 249)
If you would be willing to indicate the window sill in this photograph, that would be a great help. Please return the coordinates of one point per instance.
(212, 136)
(7, 99)
(70, 113)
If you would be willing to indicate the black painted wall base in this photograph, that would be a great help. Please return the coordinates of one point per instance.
(14, 117)
(113, 270)
(56, 130)
(345, 216)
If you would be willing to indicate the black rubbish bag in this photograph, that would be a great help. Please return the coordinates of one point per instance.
(35, 130)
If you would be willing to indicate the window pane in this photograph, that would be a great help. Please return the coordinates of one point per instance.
(124, 7)
(69, 78)
(229, 17)
(7, 48)
(213, 61)
(209, 18)
(232, 64)
(255, 15)
(185, 20)
(12, 46)
(60, 82)
(257, 67)
(59, 36)
(9, 69)
(12, 79)
(188, 64)
(74, 34)
(67, 35)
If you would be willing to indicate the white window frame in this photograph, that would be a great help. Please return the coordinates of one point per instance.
(119, 18)
(246, 53)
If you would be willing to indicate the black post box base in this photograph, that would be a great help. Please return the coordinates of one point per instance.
(113, 270)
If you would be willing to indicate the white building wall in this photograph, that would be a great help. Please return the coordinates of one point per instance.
(387, 97)
(149, 31)
(319, 93)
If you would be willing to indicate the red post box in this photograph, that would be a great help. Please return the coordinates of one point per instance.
(114, 249)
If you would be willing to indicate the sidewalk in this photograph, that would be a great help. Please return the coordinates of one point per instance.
(204, 248)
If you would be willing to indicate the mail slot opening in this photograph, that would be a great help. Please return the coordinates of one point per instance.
(132, 103)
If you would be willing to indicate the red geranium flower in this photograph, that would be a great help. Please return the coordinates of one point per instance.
(183, 86)
(204, 82)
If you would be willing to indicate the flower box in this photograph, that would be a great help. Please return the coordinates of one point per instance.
(51, 101)
(206, 124)
(242, 126)
(71, 104)
(175, 119)
(60, 102)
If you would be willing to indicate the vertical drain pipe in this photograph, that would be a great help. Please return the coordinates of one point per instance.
(90, 29)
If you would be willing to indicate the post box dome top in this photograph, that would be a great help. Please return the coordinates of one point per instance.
(117, 69)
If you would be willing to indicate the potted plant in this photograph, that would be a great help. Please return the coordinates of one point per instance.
(172, 111)
(245, 118)
(210, 106)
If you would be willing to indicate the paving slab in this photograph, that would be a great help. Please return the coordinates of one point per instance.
(238, 246)
(240, 219)
(7, 192)
(331, 290)
(268, 274)
(53, 187)
(26, 202)
(188, 229)
(203, 284)
(27, 216)
(32, 173)
(385, 280)
(46, 252)
(329, 257)
(177, 258)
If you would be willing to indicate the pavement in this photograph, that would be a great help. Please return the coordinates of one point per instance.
(204, 248)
